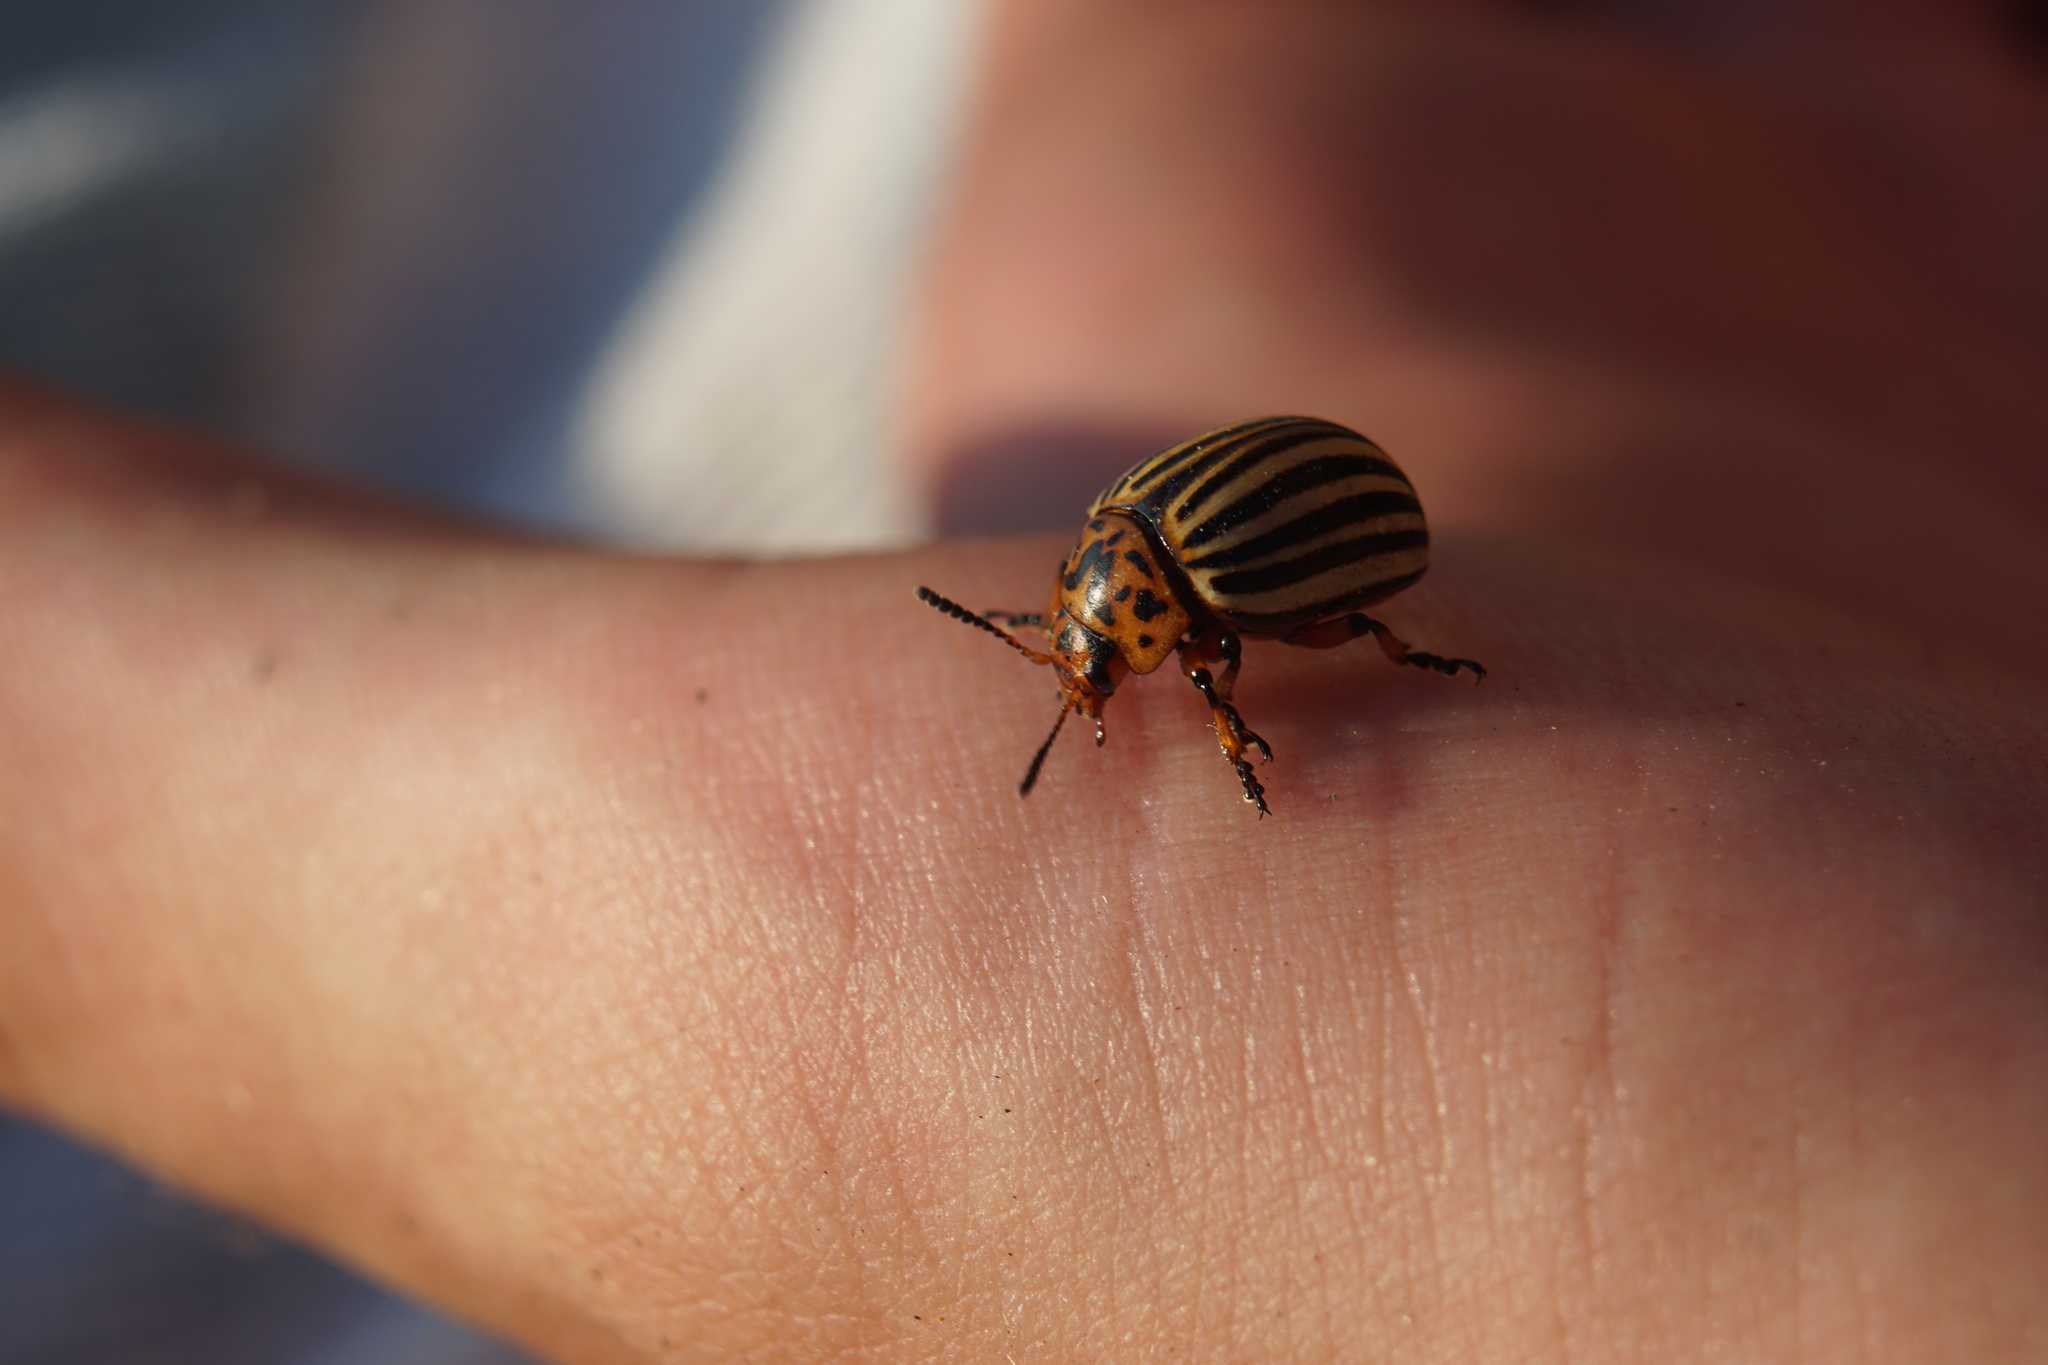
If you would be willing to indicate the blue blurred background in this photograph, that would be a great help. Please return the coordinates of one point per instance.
(389, 240)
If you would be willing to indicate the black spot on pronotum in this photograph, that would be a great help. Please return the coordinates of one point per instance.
(1105, 615)
(1091, 562)
(1145, 642)
(1144, 564)
(1147, 606)
(1123, 594)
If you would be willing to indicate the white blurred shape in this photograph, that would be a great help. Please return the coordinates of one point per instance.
(748, 403)
(66, 142)
(74, 138)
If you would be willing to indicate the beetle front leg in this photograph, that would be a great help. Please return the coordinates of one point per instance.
(1224, 647)
(1343, 630)
(1196, 654)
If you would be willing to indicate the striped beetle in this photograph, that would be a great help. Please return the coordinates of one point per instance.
(1266, 528)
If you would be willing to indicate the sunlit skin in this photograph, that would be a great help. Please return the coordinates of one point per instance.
(652, 961)
(396, 886)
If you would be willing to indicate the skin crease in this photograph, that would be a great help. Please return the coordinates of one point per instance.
(653, 961)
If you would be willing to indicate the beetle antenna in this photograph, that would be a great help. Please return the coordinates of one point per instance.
(1038, 759)
(960, 613)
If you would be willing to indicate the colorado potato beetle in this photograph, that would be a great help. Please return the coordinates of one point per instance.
(1277, 528)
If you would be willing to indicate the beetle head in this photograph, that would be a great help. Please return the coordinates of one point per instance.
(1089, 668)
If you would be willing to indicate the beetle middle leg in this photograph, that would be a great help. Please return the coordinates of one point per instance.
(1197, 653)
(1341, 630)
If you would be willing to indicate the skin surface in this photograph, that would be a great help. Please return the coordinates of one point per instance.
(653, 960)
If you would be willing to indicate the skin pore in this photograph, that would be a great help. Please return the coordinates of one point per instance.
(653, 960)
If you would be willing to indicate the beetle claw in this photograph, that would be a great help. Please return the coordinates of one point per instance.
(1448, 667)
(1252, 738)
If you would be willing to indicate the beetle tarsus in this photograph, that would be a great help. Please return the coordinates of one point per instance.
(1448, 667)
(1254, 790)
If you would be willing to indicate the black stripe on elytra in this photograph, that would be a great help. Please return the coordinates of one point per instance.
(1288, 483)
(1193, 469)
(1280, 622)
(1186, 465)
(1173, 455)
(1288, 572)
(1174, 583)
(1331, 516)
(1274, 445)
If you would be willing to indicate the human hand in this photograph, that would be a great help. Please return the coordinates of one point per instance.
(654, 961)
(1678, 993)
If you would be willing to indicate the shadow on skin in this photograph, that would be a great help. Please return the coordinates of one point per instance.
(776, 1020)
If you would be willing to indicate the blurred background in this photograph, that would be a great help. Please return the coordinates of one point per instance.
(557, 262)
(552, 262)
(1757, 282)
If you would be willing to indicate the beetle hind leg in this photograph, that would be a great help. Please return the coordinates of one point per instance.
(1342, 630)
(1235, 737)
